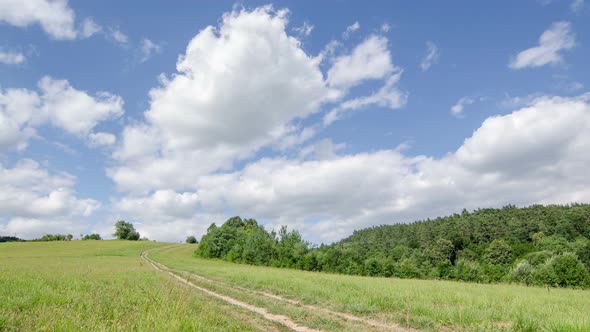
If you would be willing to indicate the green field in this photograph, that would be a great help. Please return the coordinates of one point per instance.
(105, 285)
(422, 304)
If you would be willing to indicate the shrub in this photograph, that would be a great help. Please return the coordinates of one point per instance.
(539, 257)
(125, 231)
(568, 269)
(523, 272)
(499, 253)
(468, 270)
(92, 237)
(407, 268)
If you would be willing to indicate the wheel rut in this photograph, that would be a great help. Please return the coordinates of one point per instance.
(281, 319)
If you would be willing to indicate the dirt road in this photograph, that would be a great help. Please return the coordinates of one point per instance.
(185, 277)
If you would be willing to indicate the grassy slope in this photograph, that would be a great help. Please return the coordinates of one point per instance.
(103, 285)
(425, 304)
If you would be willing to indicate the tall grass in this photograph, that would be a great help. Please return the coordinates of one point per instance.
(103, 285)
(426, 304)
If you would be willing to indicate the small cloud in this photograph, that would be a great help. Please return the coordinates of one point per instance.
(101, 139)
(457, 109)
(574, 86)
(89, 28)
(577, 5)
(322, 150)
(510, 102)
(11, 58)
(148, 48)
(553, 41)
(330, 50)
(304, 30)
(118, 36)
(350, 29)
(563, 83)
(385, 27)
(431, 57)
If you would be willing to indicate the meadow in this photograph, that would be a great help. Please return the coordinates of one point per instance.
(421, 304)
(104, 286)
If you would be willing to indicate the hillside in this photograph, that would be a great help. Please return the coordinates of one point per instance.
(542, 245)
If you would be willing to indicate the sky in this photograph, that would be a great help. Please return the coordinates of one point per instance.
(326, 117)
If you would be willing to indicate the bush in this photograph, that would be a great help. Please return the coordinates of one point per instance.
(191, 239)
(125, 231)
(523, 272)
(53, 237)
(373, 267)
(10, 239)
(468, 270)
(92, 237)
(539, 257)
(407, 268)
(564, 270)
(568, 269)
(499, 253)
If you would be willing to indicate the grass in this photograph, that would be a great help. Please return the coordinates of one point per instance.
(104, 286)
(425, 304)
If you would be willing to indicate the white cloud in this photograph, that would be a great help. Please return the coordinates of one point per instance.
(322, 150)
(457, 109)
(577, 6)
(76, 111)
(329, 51)
(166, 215)
(369, 60)
(148, 48)
(17, 108)
(34, 201)
(162, 203)
(558, 38)
(388, 96)
(350, 29)
(304, 30)
(55, 17)
(238, 88)
(535, 155)
(431, 57)
(119, 36)
(101, 139)
(11, 58)
(574, 86)
(90, 28)
(32, 228)
(385, 27)
(59, 104)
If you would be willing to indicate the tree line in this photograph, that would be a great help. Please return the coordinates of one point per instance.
(123, 231)
(536, 245)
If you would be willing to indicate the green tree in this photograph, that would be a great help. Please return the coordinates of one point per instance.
(440, 252)
(191, 239)
(91, 237)
(523, 272)
(499, 253)
(570, 272)
(468, 270)
(125, 231)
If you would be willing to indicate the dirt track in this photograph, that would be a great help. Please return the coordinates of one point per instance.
(281, 319)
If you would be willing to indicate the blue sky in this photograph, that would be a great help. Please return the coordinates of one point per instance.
(324, 117)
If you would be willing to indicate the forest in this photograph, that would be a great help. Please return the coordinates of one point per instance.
(535, 245)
